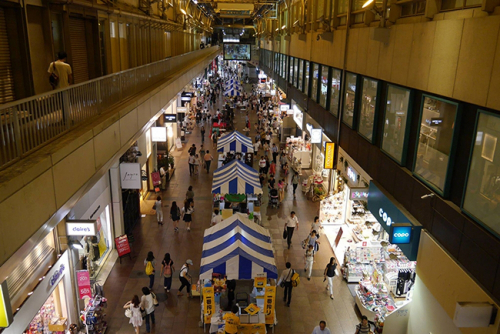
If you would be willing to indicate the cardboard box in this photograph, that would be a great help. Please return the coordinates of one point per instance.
(60, 326)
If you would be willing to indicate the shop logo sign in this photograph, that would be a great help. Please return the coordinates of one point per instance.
(401, 235)
(385, 217)
(351, 174)
(58, 274)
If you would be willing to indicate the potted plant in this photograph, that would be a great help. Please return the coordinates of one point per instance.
(170, 160)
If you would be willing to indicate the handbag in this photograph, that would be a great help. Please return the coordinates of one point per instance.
(128, 313)
(54, 78)
(143, 313)
(285, 234)
(155, 300)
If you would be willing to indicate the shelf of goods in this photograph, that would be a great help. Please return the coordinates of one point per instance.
(93, 316)
(332, 209)
(299, 152)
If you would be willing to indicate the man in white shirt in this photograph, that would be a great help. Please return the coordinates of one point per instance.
(321, 329)
(61, 70)
(291, 222)
(216, 218)
(191, 161)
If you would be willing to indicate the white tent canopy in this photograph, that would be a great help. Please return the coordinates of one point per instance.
(235, 142)
(236, 178)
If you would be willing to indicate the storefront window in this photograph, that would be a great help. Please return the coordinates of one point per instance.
(301, 74)
(290, 73)
(283, 66)
(306, 77)
(324, 86)
(482, 193)
(350, 99)
(395, 122)
(368, 106)
(54, 308)
(435, 142)
(335, 91)
(295, 71)
(314, 83)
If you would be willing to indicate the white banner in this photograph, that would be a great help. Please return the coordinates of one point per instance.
(130, 175)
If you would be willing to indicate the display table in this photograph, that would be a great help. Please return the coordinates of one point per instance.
(259, 327)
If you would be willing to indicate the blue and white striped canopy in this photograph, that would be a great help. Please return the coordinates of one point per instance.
(232, 92)
(235, 142)
(238, 248)
(236, 178)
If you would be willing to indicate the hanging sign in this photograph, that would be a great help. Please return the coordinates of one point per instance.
(358, 194)
(400, 234)
(259, 282)
(6, 317)
(83, 279)
(269, 300)
(284, 107)
(155, 176)
(130, 175)
(298, 117)
(170, 118)
(81, 228)
(159, 134)
(208, 304)
(329, 155)
(122, 245)
(316, 136)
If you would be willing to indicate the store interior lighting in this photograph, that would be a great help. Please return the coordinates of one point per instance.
(183, 11)
(75, 244)
(369, 2)
(170, 132)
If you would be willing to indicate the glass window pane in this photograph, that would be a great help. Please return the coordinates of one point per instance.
(482, 193)
(358, 4)
(435, 140)
(301, 74)
(324, 86)
(470, 3)
(396, 113)
(290, 72)
(295, 72)
(335, 92)
(342, 6)
(306, 77)
(350, 99)
(284, 65)
(314, 83)
(451, 4)
(367, 110)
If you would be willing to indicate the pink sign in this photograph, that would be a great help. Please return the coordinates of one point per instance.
(83, 279)
(156, 178)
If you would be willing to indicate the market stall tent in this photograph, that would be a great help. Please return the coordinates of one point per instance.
(236, 178)
(232, 92)
(235, 142)
(237, 248)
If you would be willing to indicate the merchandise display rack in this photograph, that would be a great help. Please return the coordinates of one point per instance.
(93, 316)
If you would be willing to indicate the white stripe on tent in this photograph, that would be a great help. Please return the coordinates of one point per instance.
(227, 236)
(238, 244)
(233, 267)
(243, 218)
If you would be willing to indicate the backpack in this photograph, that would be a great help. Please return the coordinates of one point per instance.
(168, 270)
(149, 268)
(295, 279)
(54, 78)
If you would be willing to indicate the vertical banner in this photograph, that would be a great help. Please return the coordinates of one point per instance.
(269, 300)
(83, 279)
(208, 304)
(155, 176)
(329, 155)
(6, 316)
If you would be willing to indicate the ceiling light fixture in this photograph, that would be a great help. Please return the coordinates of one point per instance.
(183, 11)
(369, 2)
(283, 27)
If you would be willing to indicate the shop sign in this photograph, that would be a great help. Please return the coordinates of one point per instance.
(284, 107)
(298, 116)
(57, 275)
(155, 176)
(81, 228)
(352, 175)
(329, 155)
(122, 245)
(83, 279)
(316, 136)
(170, 118)
(181, 110)
(159, 134)
(359, 194)
(208, 304)
(6, 317)
(401, 234)
(259, 282)
(130, 175)
(269, 301)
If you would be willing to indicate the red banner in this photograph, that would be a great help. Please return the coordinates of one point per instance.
(155, 176)
(122, 245)
(84, 283)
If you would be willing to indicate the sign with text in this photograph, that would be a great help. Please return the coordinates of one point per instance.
(81, 227)
(316, 136)
(83, 279)
(208, 304)
(6, 317)
(170, 118)
(155, 176)
(284, 107)
(159, 134)
(401, 234)
(298, 117)
(329, 155)
(122, 245)
(259, 282)
(130, 175)
(269, 301)
(358, 193)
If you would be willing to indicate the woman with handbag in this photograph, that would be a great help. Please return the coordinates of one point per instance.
(147, 308)
(133, 311)
(167, 268)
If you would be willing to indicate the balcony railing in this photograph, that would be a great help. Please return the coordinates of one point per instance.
(27, 124)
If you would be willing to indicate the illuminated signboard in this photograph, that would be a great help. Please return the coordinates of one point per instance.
(329, 155)
(401, 235)
(81, 228)
(159, 134)
(298, 117)
(6, 317)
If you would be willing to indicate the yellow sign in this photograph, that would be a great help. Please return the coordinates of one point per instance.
(208, 304)
(269, 301)
(251, 328)
(252, 309)
(5, 307)
(329, 155)
(259, 282)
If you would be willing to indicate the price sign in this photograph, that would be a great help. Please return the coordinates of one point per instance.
(83, 278)
(122, 245)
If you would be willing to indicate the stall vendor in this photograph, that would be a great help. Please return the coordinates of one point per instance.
(232, 321)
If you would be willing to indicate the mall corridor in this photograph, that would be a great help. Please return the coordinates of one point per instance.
(310, 301)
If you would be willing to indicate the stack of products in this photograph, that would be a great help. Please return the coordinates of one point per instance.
(331, 209)
(375, 297)
(40, 323)
(93, 315)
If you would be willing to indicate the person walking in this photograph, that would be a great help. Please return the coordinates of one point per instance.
(291, 222)
(197, 164)
(316, 226)
(309, 260)
(167, 268)
(202, 154)
(321, 329)
(262, 165)
(187, 212)
(60, 72)
(150, 264)
(191, 161)
(364, 326)
(214, 139)
(286, 282)
(202, 130)
(192, 150)
(329, 274)
(208, 160)
(135, 308)
(175, 215)
(274, 151)
(190, 193)
(159, 211)
(185, 277)
(295, 183)
(148, 305)
(312, 240)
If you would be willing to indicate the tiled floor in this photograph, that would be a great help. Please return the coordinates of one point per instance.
(310, 301)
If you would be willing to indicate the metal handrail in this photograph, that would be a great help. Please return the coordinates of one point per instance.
(29, 123)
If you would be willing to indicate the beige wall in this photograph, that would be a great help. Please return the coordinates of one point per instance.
(33, 190)
(449, 284)
(456, 55)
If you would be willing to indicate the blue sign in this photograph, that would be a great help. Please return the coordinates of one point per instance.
(401, 235)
